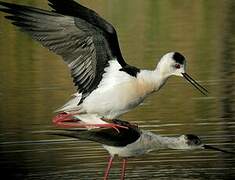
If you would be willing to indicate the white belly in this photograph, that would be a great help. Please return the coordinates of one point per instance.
(117, 93)
(114, 101)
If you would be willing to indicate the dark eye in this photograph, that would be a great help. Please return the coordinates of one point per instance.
(197, 141)
(177, 66)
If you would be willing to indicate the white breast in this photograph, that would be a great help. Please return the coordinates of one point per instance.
(117, 93)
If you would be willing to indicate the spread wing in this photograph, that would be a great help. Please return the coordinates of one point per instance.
(84, 40)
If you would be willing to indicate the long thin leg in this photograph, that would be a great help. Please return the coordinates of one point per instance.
(106, 174)
(124, 161)
(67, 121)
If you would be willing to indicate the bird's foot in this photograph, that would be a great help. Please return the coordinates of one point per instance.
(111, 125)
(66, 120)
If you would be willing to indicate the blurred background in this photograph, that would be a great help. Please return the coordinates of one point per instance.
(34, 82)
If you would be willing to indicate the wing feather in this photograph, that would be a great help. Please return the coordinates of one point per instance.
(85, 41)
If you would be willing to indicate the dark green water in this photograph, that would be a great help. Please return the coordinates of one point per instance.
(34, 82)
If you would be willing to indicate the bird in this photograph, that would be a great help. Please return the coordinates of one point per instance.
(107, 86)
(133, 142)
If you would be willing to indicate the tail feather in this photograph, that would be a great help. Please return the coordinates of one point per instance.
(71, 105)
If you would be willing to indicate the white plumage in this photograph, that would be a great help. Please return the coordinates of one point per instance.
(107, 86)
(148, 142)
(118, 92)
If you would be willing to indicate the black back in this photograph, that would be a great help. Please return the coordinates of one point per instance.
(106, 136)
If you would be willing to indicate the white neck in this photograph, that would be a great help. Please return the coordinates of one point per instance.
(160, 142)
(155, 79)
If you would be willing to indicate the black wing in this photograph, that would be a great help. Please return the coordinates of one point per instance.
(84, 40)
(106, 136)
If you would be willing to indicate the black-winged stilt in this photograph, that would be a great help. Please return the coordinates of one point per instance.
(107, 86)
(132, 141)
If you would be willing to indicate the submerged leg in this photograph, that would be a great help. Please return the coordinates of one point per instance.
(106, 174)
(124, 161)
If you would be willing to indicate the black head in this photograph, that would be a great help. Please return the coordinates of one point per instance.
(193, 140)
(180, 70)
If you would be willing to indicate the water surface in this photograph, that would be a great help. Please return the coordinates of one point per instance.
(34, 82)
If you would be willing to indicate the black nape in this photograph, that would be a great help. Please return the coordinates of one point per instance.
(131, 70)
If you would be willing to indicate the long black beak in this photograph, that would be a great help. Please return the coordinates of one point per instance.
(195, 84)
(217, 149)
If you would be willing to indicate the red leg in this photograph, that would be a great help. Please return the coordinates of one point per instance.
(124, 161)
(67, 121)
(63, 117)
(106, 175)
